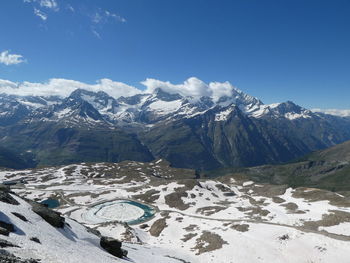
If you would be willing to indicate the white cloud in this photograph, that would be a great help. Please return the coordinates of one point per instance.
(39, 5)
(220, 89)
(336, 112)
(49, 4)
(70, 8)
(6, 84)
(64, 87)
(94, 31)
(40, 14)
(10, 59)
(193, 87)
(118, 18)
(104, 16)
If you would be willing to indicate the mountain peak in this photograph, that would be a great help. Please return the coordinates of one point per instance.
(166, 96)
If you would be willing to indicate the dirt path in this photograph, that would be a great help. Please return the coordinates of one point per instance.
(300, 228)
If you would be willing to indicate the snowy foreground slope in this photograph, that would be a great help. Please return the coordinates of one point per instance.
(206, 220)
(34, 240)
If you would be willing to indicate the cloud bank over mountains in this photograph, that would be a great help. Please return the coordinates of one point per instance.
(63, 87)
(336, 112)
(193, 87)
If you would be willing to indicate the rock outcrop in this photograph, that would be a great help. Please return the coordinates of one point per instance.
(113, 246)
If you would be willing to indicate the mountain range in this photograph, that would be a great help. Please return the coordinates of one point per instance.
(203, 133)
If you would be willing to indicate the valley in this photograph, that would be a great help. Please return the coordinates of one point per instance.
(196, 220)
(174, 131)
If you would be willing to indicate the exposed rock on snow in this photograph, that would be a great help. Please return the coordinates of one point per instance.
(52, 217)
(36, 240)
(157, 227)
(113, 246)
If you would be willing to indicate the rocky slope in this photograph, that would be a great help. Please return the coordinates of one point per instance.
(221, 220)
(328, 169)
(32, 233)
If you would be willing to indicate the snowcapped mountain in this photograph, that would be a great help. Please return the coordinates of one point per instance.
(138, 109)
(213, 130)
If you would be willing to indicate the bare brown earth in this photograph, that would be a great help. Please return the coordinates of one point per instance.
(207, 242)
(157, 227)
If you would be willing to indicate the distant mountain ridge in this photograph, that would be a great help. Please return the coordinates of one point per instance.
(192, 132)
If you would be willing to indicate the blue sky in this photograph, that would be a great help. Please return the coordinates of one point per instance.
(277, 50)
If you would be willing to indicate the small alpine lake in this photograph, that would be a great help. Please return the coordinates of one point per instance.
(126, 211)
(51, 203)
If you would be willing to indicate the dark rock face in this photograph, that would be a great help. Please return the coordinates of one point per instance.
(9, 227)
(4, 231)
(35, 239)
(52, 217)
(6, 197)
(4, 243)
(113, 246)
(6, 257)
(22, 217)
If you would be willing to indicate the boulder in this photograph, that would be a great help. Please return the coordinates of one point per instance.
(144, 226)
(113, 246)
(52, 217)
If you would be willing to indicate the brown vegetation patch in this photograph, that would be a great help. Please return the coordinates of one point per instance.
(240, 227)
(207, 242)
(278, 200)
(191, 228)
(174, 200)
(189, 184)
(209, 210)
(188, 237)
(314, 195)
(150, 196)
(254, 211)
(157, 227)
(290, 206)
(223, 188)
(224, 203)
(335, 218)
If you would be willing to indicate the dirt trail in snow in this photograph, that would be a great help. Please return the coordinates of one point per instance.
(300, 228)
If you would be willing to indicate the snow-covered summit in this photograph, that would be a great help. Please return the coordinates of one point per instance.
(161, 101)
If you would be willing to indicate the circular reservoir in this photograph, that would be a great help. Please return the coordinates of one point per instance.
(127, 211)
